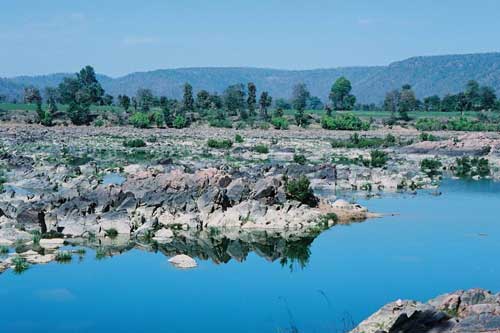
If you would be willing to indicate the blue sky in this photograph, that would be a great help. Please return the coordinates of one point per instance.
(122, 36)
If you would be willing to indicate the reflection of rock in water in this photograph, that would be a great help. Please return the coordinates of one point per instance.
(219, 246)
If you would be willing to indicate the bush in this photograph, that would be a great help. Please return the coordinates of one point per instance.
(4, 250)
(280, 123)
(357, 141)
(299, 189)
(20, 264)
(159, 119)
(470, 167)
(219, 144)
(238, 138)
(140, 120)
(63, 256)
(99, 123)
(345, 121)
(299, 159)
(428, 137)
(378, 158)
(261, 149)
(179, 122)
(220, 123)
(134, 143)
(111, 233)
(430, 166)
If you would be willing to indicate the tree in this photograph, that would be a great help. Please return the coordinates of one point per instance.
(407, 101)
(449, 103)
(187, 100)
(300, 95)
(124, 102)
(314, 103)
(340, 95)
(107, 99)
(265, 101)
(487, 98)
(392, 102)
(203, 100)
(80, 92)
(432, 103)
(234, 99)
(283, 104)
(32, 96)
(252, 98)
(144, 99)
(472, 94)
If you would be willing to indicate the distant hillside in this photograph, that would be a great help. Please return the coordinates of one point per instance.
(428, 75)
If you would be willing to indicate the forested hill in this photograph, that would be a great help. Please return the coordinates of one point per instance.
(428, 75)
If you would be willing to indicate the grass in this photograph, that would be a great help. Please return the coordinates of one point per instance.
(4, 250)
(261, 149)
(219, 143)
(63, 256)
(20, 264)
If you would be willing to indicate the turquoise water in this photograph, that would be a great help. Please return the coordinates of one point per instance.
(435, 245)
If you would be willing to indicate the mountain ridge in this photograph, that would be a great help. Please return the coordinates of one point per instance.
(439, 74)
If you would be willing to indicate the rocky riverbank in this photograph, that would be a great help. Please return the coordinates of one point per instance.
(86, 182)
(474, 310)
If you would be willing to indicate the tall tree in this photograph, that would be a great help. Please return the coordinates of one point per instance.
(145, 99)
(340, 95)
(252, 98)
(407, 101)
(124, 101)
(234, 99)
(392, 102)
(487, 98)
(432, 103)
(265, 102)
(203, 100)
(472, 93)
(300, 95)
(188, 100)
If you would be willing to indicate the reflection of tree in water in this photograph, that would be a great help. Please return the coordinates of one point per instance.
(297, 252)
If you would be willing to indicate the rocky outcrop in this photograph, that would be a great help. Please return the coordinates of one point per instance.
(474, 310)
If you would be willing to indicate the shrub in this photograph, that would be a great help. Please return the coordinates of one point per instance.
(63, 256)
(299, 189)
(20, 264)
(219, 144)
(357, 141)
(179, 122)
(4, 249)
(430, 166)
(345, 121)
(134, 143)
(378, 158)
(111, 233)
(238, 138)
(299, 159)
(220, 123)
(428, 137)
(99, 123)
(429, 124)
(280, 123)
(261, 149)
(159, 119)
(140, 120)
(471, 167)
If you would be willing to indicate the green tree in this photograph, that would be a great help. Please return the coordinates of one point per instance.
(487, 98)
(300, 95)
(144, 99)
(234, 99)
(407, 101)
(203, 100)
(265, 101)
(252, 99)
(432, 103)
(392, 103)
(124, 102)
(187, 99)
(340, 95)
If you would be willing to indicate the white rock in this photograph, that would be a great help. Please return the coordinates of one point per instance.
(163, 235)
(51, 243)
(183, 261)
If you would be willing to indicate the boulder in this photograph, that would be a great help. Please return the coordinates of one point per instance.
(183, 261)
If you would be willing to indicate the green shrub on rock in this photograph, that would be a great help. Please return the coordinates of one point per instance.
(300, 190)
(134, 143)
(378, 158)
(140, 120)
(345, 121)
(219, 144)
(280, 123)
(261, 149)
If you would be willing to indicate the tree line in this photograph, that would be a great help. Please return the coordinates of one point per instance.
(145, 109)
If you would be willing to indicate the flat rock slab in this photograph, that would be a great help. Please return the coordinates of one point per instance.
(183, 261)
(51, 243)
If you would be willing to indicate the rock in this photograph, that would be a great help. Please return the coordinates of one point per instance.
(183, 261)
(51, 243)
(115, 220)
(237, 191)
(475, 310)
(265, 188)
(163, 235)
